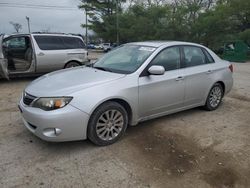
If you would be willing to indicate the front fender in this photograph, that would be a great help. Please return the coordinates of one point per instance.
(89, 99)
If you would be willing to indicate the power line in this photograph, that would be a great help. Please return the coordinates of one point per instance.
(36, 6)
(51, 6)
(39, 8)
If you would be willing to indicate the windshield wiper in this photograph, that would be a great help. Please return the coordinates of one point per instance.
(103, 69)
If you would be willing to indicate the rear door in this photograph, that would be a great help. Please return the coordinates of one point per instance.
(198, 75)
(50, 53)
(3, 61)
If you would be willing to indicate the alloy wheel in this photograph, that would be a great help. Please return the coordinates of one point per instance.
(109, 125)
(215, 96)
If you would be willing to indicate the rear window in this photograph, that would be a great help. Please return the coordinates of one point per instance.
(58, 42)
(73, 42)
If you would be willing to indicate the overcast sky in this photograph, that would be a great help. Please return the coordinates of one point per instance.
(54, 20)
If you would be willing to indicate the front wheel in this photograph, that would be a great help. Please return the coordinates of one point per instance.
(107, 124)
(214, 97)
(72, 64)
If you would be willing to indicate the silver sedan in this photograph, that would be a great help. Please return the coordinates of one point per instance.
(131, 84)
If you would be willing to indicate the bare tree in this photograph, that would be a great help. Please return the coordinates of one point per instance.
(17, 26)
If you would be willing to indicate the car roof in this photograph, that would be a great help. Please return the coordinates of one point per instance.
(158, 44)
(45, 34)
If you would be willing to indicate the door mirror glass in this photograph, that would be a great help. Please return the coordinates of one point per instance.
(156, 70)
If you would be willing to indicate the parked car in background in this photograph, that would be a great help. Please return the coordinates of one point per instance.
(132, 83)
(98, 47)
(91, 46)
(25, 54)
(106, 47)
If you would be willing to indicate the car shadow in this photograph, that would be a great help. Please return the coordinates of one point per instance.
(130, 133)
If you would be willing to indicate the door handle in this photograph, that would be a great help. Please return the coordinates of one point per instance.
(41, 54)
(179, 78)
(209, 71)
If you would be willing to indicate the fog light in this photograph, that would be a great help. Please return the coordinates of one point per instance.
(52, 132)
(57, 131)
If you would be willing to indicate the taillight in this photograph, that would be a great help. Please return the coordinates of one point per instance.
(231, 68)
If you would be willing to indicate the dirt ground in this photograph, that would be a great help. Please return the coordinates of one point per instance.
(193, 148)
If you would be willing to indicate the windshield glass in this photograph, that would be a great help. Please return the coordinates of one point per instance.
(125, 59)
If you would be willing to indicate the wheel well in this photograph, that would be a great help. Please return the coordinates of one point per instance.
(125, 105)
(223, 86)
(71, 62)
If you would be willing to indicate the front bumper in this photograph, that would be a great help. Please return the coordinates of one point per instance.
(65, 124)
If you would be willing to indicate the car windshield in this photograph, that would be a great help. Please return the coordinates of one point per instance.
(125, 59)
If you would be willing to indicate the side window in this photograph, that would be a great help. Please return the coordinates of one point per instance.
(15, 43)
(209, 57)
(194, 56)
(49, 42)
(72, 42)
(168, 58)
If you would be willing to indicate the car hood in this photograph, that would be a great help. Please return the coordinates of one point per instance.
(68, 81)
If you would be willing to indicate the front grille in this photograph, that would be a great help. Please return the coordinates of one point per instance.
(27, 98)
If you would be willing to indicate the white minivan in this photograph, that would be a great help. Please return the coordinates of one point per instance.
(26, 54)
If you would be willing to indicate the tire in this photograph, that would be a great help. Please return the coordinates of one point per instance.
(102, 128)
(72, 64)
(214, 97)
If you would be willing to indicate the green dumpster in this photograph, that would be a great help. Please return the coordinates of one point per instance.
(236, 51)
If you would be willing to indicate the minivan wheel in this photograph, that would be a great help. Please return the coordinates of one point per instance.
(107, 124)
(214, 97)
(72, 64)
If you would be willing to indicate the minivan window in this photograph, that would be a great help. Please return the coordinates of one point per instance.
(49, 42)
(15, 43)
(58, 42)
(194, 56)
(72, 42)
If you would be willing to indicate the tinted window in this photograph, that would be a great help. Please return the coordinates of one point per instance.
(168, 58)
(194, 56)
(49, 42)
(209, 57)
(72, 42)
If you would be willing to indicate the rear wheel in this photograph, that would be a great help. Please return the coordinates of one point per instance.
(107, 124)
(214, 97)
(72, 64)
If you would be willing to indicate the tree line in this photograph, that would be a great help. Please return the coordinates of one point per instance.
(208, 22)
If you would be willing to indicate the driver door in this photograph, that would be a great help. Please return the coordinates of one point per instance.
(162, 94)
(3, 61)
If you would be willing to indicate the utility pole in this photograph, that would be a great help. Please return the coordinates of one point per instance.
(86, 34)
(117, 24)
(28, 20)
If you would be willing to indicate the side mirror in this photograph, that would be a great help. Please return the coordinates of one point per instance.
(156, 70)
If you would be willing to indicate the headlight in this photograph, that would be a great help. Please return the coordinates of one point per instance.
(52, 103)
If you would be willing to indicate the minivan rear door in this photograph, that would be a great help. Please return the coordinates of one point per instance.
(3, 61)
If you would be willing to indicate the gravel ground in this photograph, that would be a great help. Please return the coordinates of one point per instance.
(193, 148)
